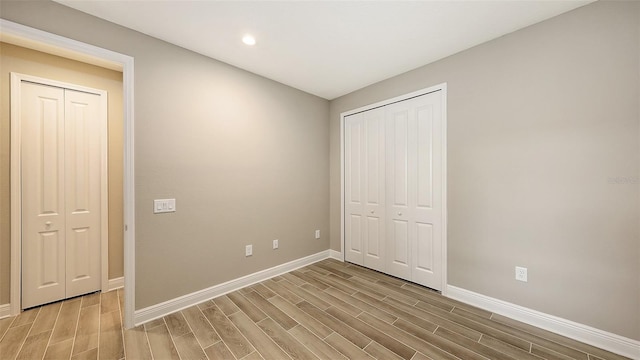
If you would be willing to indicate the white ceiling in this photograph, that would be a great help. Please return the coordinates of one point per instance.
(326, 48)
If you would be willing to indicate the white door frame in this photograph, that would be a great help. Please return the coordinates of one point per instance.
(21, 35)
(441, 87)
(16, 178)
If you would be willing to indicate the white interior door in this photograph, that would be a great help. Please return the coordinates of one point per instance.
(61, 193)
(82, 192)
(43, 208)
(354, 132)
(374, 189)
(393, 170)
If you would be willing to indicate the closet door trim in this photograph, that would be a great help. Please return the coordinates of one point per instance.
(443, 89)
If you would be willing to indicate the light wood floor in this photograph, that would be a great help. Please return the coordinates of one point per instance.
(329, 310)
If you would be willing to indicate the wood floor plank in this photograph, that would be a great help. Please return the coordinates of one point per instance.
(330, 299)
(13, 340)
(472, 345)
(272, 311)
(332, 284)
(263, 291)
(59, 351)
(446, 306)
(309, 280)
(153, 323)
(307, 296)
(260, 341)
(334, 270)
(435, 296)
(424, 324)
(219, 351)
(136, 345)
(562, 340)
(234, 340)
(88, 328)
(513, 332)
(109, 302)
(205, 304)
(477, 323)
(353, 271)
(65, 327)
(253, 356)
(380, 352)
(247, 307)
(293, 279)
(357, 286)
(301, 317)
(4, 326)
(406, 338)
(286, 341)
(91, 299)
(177, 324)
(111, 341)
(34, 346)
(189, 348)
(336, 325)
(346, 347)
(372, 333)
(161, 344)
(510, 350)
(318, 346)
(226, 305)
(443, 344)
(87, 355)
(373, 310)
(385, 290)
(200, 326)
(46, 318)
(277, 288)
(438, 320)
(26, 317)
(550, 354)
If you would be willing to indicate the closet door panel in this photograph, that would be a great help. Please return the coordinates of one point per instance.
(354, 132)
(374, 189)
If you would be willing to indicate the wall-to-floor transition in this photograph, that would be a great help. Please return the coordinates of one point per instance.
(543, 164)
(30, 62)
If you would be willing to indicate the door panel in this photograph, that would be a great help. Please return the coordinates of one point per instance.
(354, 131)
(83, 161)
(374, 150)
(42, 173)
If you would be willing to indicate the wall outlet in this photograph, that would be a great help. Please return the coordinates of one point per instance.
(317, 234)
(521, 273)
(275, 244)
(248, 250)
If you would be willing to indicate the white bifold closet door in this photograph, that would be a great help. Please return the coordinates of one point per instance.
(393, 189)
(61, 199)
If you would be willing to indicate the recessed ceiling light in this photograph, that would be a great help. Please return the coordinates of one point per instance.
(249, 40)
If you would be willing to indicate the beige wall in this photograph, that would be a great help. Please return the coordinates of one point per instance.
(30, 62)
(245, 157)
(538, 122)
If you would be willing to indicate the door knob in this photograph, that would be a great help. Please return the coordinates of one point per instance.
(399, 214)
(372, 211)
(47, 224)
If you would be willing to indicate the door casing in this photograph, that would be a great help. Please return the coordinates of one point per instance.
(26, 36)
(16, 187)
(441, 87)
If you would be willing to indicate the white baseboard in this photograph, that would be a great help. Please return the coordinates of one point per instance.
(335, 255)
(159, 310)
(5, 310)
(584, 333)
(116, 283)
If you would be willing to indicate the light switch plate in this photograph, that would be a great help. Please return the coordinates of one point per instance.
(164, 206)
